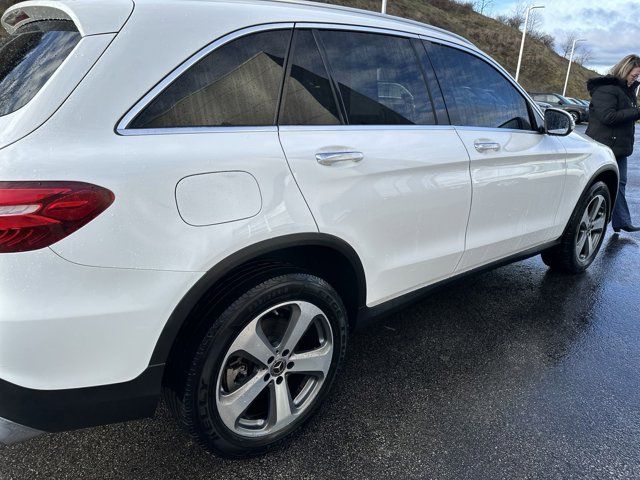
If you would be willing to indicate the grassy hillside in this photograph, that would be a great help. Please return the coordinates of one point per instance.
(542, 69)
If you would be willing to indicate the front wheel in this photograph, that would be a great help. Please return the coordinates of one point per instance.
(265, 365)
(585, 232)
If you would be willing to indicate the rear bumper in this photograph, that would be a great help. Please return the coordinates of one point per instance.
(25, 413)
(76, 342)
(65, 326)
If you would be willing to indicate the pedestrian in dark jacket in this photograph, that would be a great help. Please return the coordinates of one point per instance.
(612, 115)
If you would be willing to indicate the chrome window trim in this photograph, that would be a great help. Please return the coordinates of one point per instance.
(494, 129)
(121, 128)
(482, 56)
(132, 132)
(356, 128)
(355, 28)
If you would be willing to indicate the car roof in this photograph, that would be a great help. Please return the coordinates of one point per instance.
(382, 20)
(106, 16)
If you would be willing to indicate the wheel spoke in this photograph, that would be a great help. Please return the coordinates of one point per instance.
(313, 362)
(597, 203)
(585, 218)
(581, 242)
(588, 246)
(253, 341)
(599, 223)
(281, 411)
(301, 317)
(232, 405)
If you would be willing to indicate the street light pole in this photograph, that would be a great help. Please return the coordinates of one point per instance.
(384, 6)
(573, 47)
(524, 33)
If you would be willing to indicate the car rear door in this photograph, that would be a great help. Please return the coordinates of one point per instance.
(517, 173)
(374, 156)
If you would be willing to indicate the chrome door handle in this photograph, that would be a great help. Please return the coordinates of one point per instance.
(331, 158)
(486, 146)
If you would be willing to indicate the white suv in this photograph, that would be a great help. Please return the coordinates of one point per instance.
(202, 198)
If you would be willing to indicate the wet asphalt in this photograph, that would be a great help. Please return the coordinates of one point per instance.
(517, 373)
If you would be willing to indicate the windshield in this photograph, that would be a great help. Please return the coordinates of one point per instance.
(564, 99)
(29, 57)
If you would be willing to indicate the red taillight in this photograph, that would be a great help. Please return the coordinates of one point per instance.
(35, 215)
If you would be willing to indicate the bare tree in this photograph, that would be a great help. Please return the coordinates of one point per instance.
(567, 43)
(584, 55)
(482, 6)
(535, 18)
(516, 17)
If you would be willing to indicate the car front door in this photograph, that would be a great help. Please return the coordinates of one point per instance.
(371, 160)
(517, 173)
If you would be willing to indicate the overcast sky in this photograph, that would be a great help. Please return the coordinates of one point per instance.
(611, 27)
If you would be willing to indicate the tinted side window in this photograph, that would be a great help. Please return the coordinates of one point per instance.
(432, 82)
(237, 84)
(308, 99)
(379, 78)
(29, 57)
(476, 93)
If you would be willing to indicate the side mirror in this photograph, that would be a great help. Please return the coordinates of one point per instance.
(558, 122)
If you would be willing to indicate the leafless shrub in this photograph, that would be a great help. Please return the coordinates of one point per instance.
(453, 5)
(544, 38)
(483, 6)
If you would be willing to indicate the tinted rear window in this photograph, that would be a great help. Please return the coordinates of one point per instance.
(30, 57)
(379, 78)
(476, 93)
(236, 85)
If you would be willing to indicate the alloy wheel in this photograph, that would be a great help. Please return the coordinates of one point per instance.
(591, 230)
(274, 369)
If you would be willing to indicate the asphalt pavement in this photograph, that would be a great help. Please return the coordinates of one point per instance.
(517, 373)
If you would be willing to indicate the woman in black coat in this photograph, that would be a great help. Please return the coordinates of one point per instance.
(612, 115)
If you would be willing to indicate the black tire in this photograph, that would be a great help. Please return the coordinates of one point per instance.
(197, 407)
(565, 257)
(576, 117)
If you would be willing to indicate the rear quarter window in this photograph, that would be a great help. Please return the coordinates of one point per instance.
(29, 57)
(237, 84)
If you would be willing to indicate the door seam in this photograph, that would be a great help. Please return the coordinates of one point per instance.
(293, 175)
(466, 230)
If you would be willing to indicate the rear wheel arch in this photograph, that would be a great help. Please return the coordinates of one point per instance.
(325, 256)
